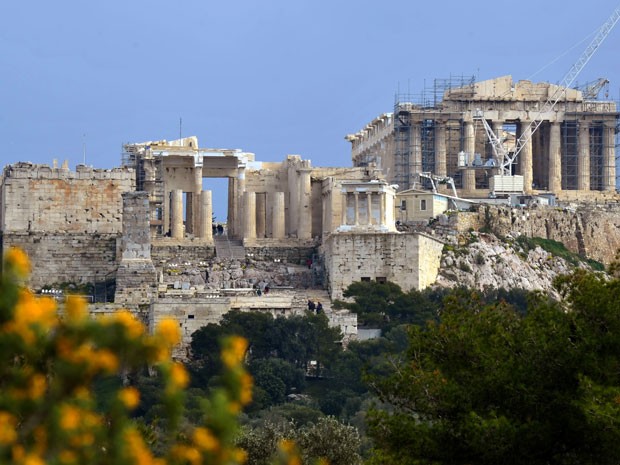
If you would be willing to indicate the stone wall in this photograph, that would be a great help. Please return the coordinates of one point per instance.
(169, 251)
(66, 257)
(191, 314)
(37, 198)
(286, 254)
(409, 260)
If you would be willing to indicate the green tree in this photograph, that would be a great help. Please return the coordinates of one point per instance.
(489, 384)
(281, 350)
(326, 439)
(385, 305)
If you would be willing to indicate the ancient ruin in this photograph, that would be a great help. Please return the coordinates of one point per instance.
(142, 236)
(442, 131)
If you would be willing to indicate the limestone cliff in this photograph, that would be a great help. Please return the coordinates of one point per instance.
(588, 229)
(482, 261)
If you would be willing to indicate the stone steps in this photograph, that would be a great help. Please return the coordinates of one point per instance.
(301, 298)
(229, 248)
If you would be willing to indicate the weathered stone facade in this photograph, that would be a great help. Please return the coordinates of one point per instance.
(410, 260)
(573, 149)
(67, 221)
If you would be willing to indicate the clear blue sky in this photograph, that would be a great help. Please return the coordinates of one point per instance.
(273, 77)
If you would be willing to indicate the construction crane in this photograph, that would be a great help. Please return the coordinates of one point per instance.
(505, 157)
(435, 179)
(590, 90)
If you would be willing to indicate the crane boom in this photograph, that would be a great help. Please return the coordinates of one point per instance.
(509, 157)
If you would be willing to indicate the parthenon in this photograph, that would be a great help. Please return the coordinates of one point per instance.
(572, 150)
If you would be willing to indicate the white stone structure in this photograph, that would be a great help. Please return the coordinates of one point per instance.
(573, 149)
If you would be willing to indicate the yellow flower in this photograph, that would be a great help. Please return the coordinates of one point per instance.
(75, 308)
(18, 260)
(286, 445)
(32, 459)
(70, 417)
(289, 451)
(168, 329)
(133, 327)
(234, 351)
(37, 386)
(182, 453)
(31, 312)
(8, 434)
(239, 455)
(137, 449)
(106, 360)
(67, 457)
(178, 376)
(204, 439)
(245, 395)
(130, 397)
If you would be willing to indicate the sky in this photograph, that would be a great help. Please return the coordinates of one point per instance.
(79, 78)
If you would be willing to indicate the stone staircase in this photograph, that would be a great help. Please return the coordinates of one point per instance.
(229, 248)
(300, 301)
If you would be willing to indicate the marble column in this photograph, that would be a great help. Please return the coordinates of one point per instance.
(278, 215)
(369, 207)
(382, 219)
(525, 157)
(261, 215)
(240, 187)
(304, 231)
(356, 215)
(196, 202)
(609, 156)
(415, 163)
(555, 160)
(206, 216)
(232, 208)
(249, 215)
(176, 214)
(583, 157)
(344, 198)
(440, 149)
(469, 175)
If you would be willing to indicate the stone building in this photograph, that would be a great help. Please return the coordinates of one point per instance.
(67, 221)
(441, 131)
(306, 232)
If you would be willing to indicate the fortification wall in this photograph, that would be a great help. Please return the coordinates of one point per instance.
(66, 257)
(409, 260)
(162, 252)
(37, 198)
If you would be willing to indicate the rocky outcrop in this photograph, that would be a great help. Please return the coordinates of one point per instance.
(588, 229)
(484, 261)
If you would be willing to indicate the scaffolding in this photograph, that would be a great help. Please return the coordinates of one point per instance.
(415, 129)
(570, 154)
(597, 151)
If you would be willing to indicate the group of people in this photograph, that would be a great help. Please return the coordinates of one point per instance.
(315, 308)
(218, 229)
(260, 290)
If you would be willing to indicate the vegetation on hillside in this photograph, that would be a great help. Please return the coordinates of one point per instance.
(457, 376)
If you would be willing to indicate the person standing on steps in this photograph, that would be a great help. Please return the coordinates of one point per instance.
(319, 308)
(311, 305)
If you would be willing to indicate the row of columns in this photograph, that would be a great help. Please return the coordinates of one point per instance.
(255, 214)
(525, 159)
(369, 195)
(202, 214)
